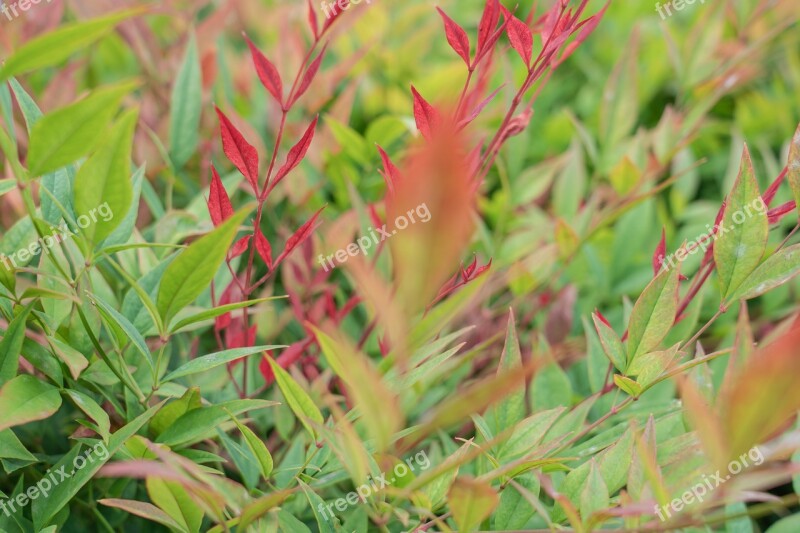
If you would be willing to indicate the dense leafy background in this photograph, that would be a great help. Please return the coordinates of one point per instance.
(225, 408)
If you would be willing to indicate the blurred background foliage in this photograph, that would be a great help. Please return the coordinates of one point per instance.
(652, 109)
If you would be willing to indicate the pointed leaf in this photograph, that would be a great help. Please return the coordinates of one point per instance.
(267, 73)
(238, 151)
(653, 315)
(191, 272)
(456, 36)
(741, 238)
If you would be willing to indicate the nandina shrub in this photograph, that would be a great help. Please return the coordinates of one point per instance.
(212, 321)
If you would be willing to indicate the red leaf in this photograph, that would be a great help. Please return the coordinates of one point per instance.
(267, 73)
(241, 153)
(456, 36)
(296, 154)
(660, 253)
(263, 248)
(602, 319)
(240, 247)
(588, 26)
(477, 111)
(219, 205)
(312, 20)
(489, 19)
(308, 76)
(337, 12)
(520, 36)
(299, 236)
(775, 214)
(425, 115)
(288, 357)
(770, 193)
(223, 321)
(391, 174)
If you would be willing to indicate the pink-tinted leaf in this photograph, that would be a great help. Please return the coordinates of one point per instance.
(312, 19)
(267, 73)
(299, 236)
(240, 247)
(489, 19)
(477, 111)
(520, 36)
(296, 154)
(308, 76)
(660, 253)
(425, 115)
(263, 248)
(588, 27)
(772, 190)
(219, 204)
(337, 12)
(456, 37)
(602, 318)
(288, 357)
(241, 153)
(391, 174)
(774, 215)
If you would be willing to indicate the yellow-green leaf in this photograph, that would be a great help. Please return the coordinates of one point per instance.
(742, 237)
(653, 315)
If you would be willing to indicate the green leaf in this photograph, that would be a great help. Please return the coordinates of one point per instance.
(11, 345)
(649, 367)
(55, 47)
(76, 362)
(779, 268)
(742, 237)
(12, 448)
(64, 136)
(217, 311)
(471, 501)
(296, 397)
(612, 345)
(653, 315)
(529, 433)
(511, 409)
(207, 362)
(315, 502)
(45, 509)
(123, 232)
(257, 448)
(174, 410)
(594, 496)
(7, 186)
(58, 183)
(103, 182)
(143, 509)
(628, 385)
(93, 410)
(195, 424)
(122, 326)
(184, 124)
(173, 499)
(25, 399)
(794, 167)
(192, 271)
